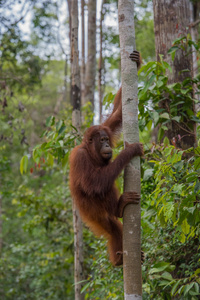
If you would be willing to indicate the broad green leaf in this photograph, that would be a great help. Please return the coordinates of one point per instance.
(159, 267)
(168, 211)
(167, 276)
(159, 83)
(164, 116)
(185, 227)
(50, 121)
(149, 125)
(155, 117)
(59, 125)
(24, 164)
(62, 129)
(176, 118)
(166, 142)
(187, 288)
(50, 159)
(148, 174)
(197, 163)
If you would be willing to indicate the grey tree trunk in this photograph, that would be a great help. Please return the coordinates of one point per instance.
(132, 216)
(91, 57)
(76, 121)
(171, 17)
(194, 24)
(1, 233)
(100, 65)
(82, 47)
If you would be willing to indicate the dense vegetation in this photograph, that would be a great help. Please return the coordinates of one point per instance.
(36, 241)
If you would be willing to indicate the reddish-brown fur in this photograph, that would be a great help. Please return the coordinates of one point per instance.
(92, 181)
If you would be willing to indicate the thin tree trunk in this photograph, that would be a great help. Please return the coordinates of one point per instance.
(100, 65)
(194, 13)
(132, 218)
(82, 47)
(171, 17)
(65, 81)
(91, 57)
(69, 5)
(76, 121)
(1, 233)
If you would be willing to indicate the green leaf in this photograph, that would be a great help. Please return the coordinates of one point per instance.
(85, 287)
(149, 125)
(156, 117)
(167, 276)
(197, 163)
(165, 116)
(159, 83)
(36, 155)
(62, 129)
(108, 98)
(148, 174)
(50, 121)
(159, 267)
(173, 290)
(24, 164)
(176, 118)
(50, 159)
(184, 92)
(65, 162)
(160, 133)
(166, 142)
(196, 286)
(187, 288)
(168, 212)
(59, 125)
(185, 227)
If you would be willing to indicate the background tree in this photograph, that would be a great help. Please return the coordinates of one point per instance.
(76, 122)
(91, 55)
(171, 20)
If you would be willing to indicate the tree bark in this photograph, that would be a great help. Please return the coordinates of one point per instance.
(100, 65)
(69, 5)
(76, 121)
(132, 219)
(1, 232)
(91, 57)
(82, 47)
(171, 17)
(195, 10)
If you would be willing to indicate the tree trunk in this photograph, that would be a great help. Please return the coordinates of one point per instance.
(194, 24)
(82, 47)
(100, 66)
(76, 121)
(69, 5)
(91, 57)
(1, 232)
(132, 218)
(171, 17)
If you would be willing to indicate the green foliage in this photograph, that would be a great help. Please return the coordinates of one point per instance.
(156, 92)
(103, 282)
(163, 105)
(171, 220)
